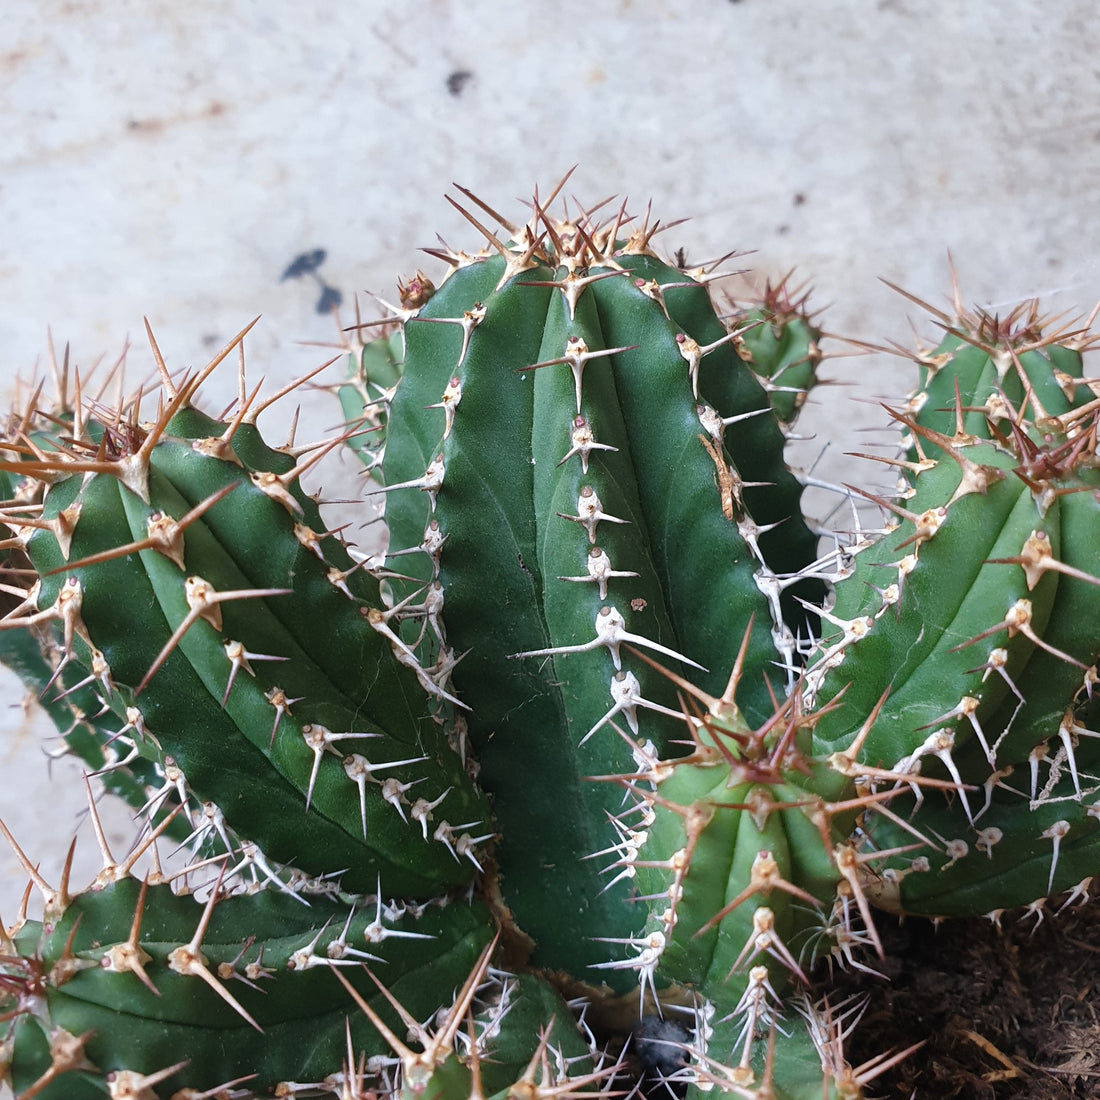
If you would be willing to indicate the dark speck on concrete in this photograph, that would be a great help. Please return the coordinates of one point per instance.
(458, 80)
(330, 299)
(304, 264)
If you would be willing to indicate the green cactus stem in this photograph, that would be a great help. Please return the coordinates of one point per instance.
(741, 853)
(781, 344)
(582, 461)
(139, 978)
(947, 610)
(237, 641)
(975, 616)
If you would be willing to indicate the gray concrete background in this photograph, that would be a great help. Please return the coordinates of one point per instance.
(171, 160)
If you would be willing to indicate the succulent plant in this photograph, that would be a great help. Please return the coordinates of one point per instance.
(603, 746)
(976, 613)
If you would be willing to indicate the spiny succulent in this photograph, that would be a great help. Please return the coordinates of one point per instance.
(605, 745)
(975, 616)
(556, 459)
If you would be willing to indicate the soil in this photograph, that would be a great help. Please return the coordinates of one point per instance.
(1010, 1013)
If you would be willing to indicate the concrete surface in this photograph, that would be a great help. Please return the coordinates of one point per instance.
(171, 160)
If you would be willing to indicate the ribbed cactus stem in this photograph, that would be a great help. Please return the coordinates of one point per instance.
(258, 654)
(558, 446)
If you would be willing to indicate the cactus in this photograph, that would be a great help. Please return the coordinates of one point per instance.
(977, 614)
(590, 753)
(138, 952)
(605, 377)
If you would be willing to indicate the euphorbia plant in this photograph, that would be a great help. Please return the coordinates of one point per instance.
(604, 739)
